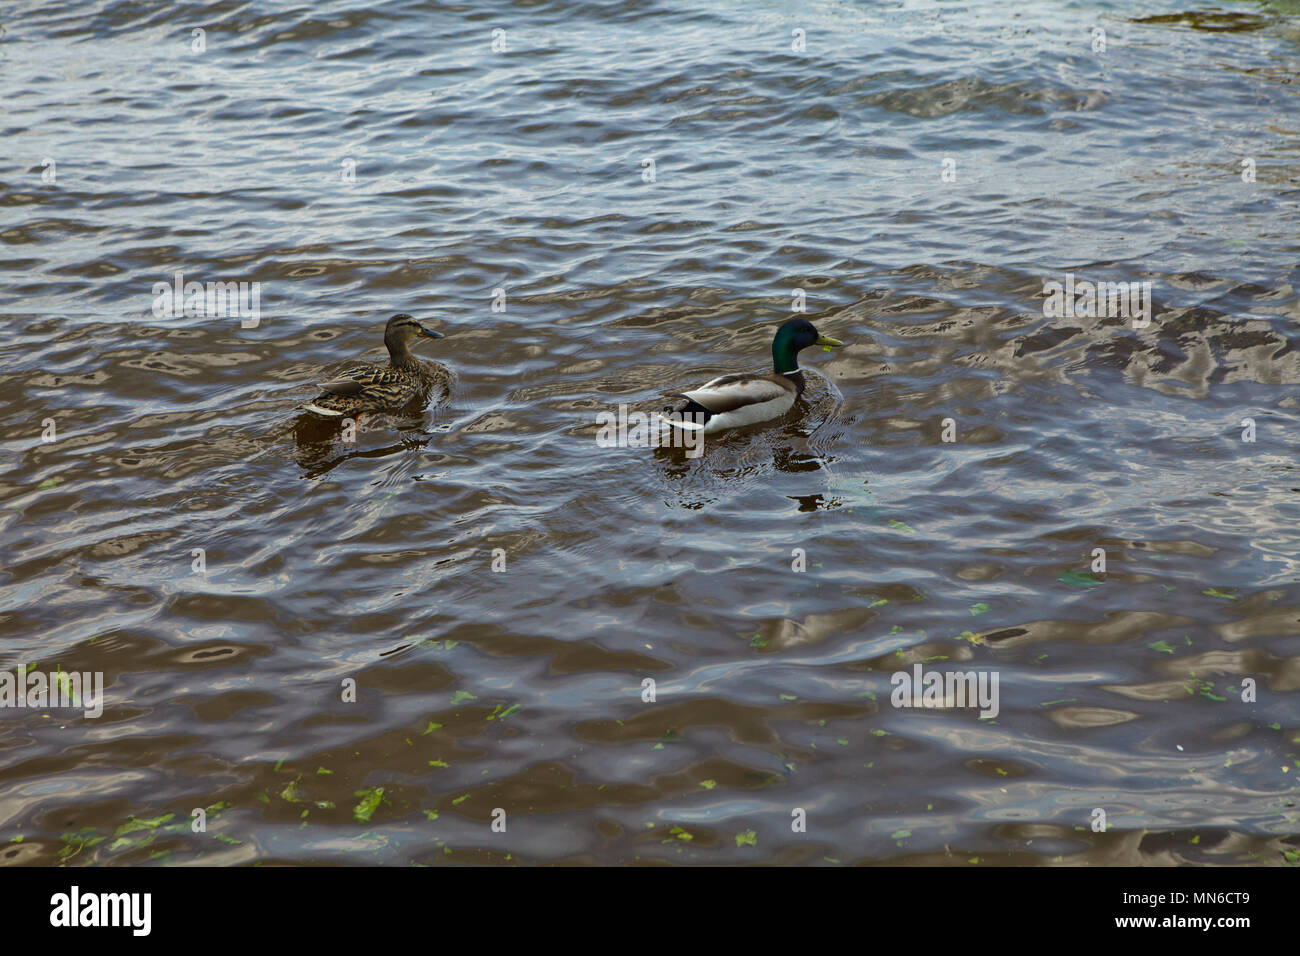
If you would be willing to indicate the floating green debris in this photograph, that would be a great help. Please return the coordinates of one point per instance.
(681, 834)
(431, 814)
(459, 800)
(1079, 579)
(461, 696)
(978, 609)
(1162, 647)
(1215, 592)
(900, 834)
(431, 728)
(511, 711)
(438, 763)
(748, 838)
(896, 629)
(787, 696)
(878, 603)
(126, 842)
(708, 784)
(226, 839)
(1063, 700)
(370, 800)
(133, 824)
(74, 843)
(1204, 688)
(893, 523)
(49, 483)
(65, 684)
(757, 641)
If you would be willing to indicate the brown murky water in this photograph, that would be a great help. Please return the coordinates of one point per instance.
(519, 691)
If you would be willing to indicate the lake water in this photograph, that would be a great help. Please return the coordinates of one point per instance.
(598, 203)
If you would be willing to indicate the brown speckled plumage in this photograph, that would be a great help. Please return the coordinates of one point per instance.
(372, 388)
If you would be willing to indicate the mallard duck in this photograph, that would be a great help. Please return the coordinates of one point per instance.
(734, 400)
(370, 388)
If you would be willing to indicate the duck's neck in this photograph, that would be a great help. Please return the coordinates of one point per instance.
(785, 358)
(399, 355)
(785, 362)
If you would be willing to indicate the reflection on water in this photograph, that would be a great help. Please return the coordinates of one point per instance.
(459, 608)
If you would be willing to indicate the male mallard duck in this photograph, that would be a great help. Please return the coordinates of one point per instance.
(370, 388)
(734, 400)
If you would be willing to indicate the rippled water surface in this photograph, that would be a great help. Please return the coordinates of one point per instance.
(362, 159)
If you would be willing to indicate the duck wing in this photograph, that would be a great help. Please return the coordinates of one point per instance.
(727, 393)
(356, 380)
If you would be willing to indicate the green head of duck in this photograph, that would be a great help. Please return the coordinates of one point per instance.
(793, 337)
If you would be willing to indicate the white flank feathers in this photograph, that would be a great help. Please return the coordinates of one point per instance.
(327, 412)
(678, 423)
(748, 401)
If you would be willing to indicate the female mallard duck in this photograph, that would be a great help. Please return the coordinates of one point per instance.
(734, 400)
(371, 388)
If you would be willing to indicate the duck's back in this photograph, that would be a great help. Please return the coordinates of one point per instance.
(370, 388)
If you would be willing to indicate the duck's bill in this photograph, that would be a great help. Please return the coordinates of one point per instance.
(827, 341)
(429, 333)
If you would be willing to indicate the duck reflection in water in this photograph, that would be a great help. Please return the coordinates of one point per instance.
(396, 393)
